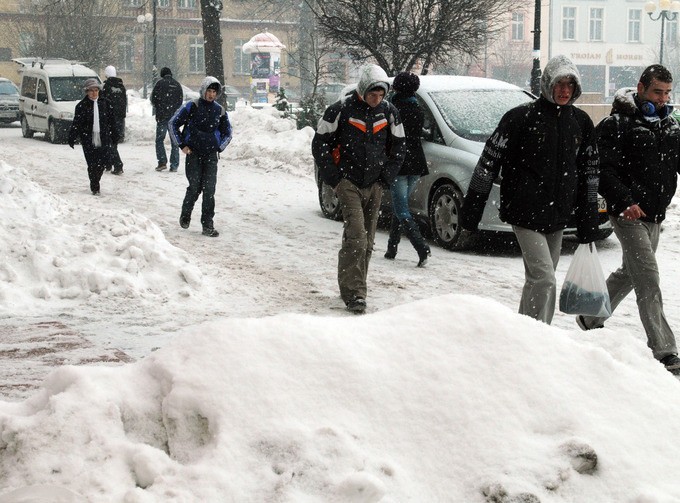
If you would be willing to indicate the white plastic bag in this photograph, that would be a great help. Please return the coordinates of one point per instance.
(585, 290)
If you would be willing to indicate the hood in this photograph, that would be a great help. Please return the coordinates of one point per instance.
(624, 101)
(370, 77)
(206, 82)
(116, 81)
(558, 68)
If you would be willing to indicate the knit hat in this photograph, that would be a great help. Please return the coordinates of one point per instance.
(406, 82)
(110, 71)
(165, 71)
(90, 83)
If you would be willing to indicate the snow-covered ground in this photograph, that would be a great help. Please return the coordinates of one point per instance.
(246, 381)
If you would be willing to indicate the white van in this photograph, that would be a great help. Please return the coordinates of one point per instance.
(50, 90)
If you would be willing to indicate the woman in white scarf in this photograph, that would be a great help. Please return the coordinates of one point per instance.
(94, 125)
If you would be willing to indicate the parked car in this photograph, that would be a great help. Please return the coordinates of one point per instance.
(9, 101)
(50, 90)
(460, 115)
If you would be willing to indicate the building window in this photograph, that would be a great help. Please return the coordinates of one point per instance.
(186, 4)
(634, 19)
(672, 31)
(517, 26)
(196, 55)
(241, 61)
(163, 3)
(568, 23)
(595, 26)
(126, 54)
(134, 3)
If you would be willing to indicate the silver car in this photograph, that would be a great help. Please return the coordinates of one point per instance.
(9, 101)
(460, 114)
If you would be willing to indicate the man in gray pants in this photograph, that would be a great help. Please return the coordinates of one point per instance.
(639, 144)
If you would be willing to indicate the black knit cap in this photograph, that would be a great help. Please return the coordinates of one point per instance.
(406, 82)
(165, 71)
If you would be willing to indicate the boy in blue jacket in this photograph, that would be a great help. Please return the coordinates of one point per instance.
(201, 129)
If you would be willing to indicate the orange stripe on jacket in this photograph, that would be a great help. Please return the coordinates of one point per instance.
(379, 125)
(360, 125)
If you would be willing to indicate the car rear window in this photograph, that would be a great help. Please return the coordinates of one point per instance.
(7, 88)
(475, 113)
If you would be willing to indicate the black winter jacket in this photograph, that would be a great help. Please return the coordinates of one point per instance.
(81, 127)
(114, 91)
(412, 118)
(547, 157)
(167, 96)
(639, 159)
(368, 143)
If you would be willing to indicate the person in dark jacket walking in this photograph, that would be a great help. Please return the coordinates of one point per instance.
(201, 129)
(359, 147)
(94, 125)
(114, 92)
(167, 96)
(406, 84)
(639, 146)
(546, 154)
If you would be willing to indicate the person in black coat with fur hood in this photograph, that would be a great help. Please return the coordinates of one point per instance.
(115, 93)
(405, 85)
(94, 125)
(546, 153)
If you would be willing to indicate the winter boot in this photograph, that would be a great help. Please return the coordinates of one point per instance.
(395, 237)
(412, 231)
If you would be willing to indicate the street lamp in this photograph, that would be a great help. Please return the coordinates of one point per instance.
(144, 20)
(668, 11)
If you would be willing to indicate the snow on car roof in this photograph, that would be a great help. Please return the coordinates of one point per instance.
(433, 83)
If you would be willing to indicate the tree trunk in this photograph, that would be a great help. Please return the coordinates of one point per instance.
(212, 40)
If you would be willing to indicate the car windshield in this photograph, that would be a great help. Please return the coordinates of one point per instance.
(475, 113)
(7, 88)
(67, 88)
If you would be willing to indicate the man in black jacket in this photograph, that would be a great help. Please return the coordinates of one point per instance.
(115, 93)
(167, 96)
(93, 124)
(546, 154)
(359, 146)
(639, 146)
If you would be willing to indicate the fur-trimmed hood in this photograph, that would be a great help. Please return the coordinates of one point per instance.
(624, 101)
(560, 67)
(372, 76)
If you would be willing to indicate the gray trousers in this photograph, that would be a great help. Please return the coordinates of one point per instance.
(639, 271)
(360, 209)
(540, 253)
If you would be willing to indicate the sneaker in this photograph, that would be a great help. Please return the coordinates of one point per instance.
(184, 222)
(117, 171)
(581, 322)
(173, 170)
(210, 231)
(672, 364)
(95, 192)
(356, 305)
(161, 167)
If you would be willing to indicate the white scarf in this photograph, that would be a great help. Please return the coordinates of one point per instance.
(96, 137)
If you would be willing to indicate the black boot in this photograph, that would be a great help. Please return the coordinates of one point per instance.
(412, 231)
(395, 237)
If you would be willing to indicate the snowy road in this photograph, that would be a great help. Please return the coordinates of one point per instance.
(275, 253)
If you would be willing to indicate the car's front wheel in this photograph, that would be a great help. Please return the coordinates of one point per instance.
(54, 134)
(26, 131)
(328, 201)
(444, 213)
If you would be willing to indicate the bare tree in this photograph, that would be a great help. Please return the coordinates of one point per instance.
(513, 63)
(214, 62)
(73, 29)
(400, 34)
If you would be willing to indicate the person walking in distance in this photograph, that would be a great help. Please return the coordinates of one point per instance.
(639, 145)
(546, 155)
(115, 93)
(201, 129)
(167, 96)
(94, 125)
(359, 148)
(405, 85)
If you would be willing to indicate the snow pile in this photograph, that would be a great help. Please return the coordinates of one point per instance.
(63, 252)
(358, 409)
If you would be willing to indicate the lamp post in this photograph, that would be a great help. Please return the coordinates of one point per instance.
(668, 11)
(536, 53)
(154, 66)
(144, 20)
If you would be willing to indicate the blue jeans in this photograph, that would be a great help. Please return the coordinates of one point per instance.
(401, 189)
(161, 131)
(201, 171)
